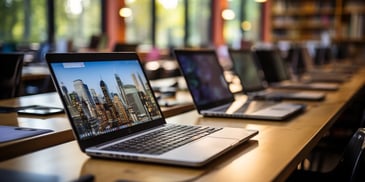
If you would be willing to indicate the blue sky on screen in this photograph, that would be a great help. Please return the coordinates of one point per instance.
(92, 72)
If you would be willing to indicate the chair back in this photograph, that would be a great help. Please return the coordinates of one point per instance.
(11, 65)
(353, 162)
(125, 47)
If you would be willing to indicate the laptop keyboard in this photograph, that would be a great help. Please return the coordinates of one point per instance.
(163, 140)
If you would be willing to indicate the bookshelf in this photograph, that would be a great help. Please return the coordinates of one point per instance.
(341, 20)
(352, 21)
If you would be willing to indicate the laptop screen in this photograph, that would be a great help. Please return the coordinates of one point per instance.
(274, 67)
(204, 77)
(104, 96)
(245, 66)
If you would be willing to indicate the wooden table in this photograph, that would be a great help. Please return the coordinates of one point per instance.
(35, 72)
(270, 156)
(58, 123)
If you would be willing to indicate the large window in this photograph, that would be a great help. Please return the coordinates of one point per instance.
(138, 23)
(174, 26)
(27, 21)
(199, 22)
(163, 23)
(23, 21)
(245, 23)
(77, 20)
(170, 23)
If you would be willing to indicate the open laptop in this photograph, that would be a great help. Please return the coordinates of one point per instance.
(337, 73)
(212, 97)
(247, 68)
(278, 75)
(114, 113)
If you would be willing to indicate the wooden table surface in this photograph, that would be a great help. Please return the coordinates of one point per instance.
(270, 156)
(59, 123)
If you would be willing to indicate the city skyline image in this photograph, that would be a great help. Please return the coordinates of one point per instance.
(105, 96)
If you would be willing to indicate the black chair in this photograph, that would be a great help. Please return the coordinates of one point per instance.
(94, 42)
(11, 65)
(40, 56)
(330, 147)
(350, 168)
(125, 47)
(8, 47)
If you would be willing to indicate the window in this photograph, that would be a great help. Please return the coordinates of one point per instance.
(177, 23)
(18, 20)
(174, 28)
(246, 23)
(170, 23)
(199, 13)
(77, 20)
(251, 24)
(138, 23)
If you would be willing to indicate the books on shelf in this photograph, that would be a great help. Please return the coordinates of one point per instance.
(304, 20)
(356, 28)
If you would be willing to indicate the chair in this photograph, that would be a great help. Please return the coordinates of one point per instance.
(8, 47)
(94, 42)
(330, 147)
(97, 42)
(322, 56)
(11, 65)
(125, 47)
(349, 168)
(40, 56)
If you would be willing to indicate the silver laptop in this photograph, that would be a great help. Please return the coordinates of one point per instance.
(247, 68)
(114, 114)
(212, 97)
(278, 75)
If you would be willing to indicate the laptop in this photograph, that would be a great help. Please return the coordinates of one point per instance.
(212, 96)
(338, 73)
(278, 75)
(247, 68)
(114, 113)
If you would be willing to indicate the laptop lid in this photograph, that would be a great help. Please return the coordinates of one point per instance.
(297, 60)
(106, 95)
(273, 65)
(10, 74)
(205, 77)
(247, 69)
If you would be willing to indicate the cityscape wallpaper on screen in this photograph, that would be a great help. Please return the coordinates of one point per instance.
(105, 96)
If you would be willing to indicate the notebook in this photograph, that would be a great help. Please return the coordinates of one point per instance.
(10, 133)
(247, 68)
(278, 75)
(212, 97)
(114, 113)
